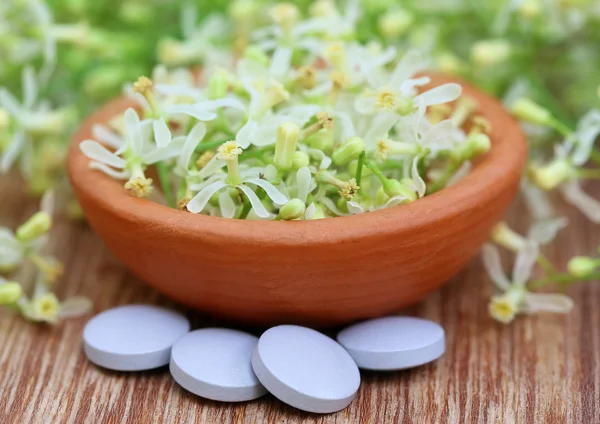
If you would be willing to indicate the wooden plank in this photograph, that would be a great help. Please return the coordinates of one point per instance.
(544, 368)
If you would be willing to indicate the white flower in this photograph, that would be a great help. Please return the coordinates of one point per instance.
(396, 91)
(515, 297)
(228, 153)
(132, 154)
(204, 110)
(32, 119)
(47, 308)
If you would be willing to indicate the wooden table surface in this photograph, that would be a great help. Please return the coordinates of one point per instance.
(540, 369)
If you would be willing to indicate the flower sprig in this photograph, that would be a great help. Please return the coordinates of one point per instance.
(25, 249)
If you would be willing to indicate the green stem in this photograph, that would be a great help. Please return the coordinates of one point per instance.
(588, 174)
(359, 167)
(245, 209)
(563, 279)
(595, 156)
(545, 264)
(163, 175)
(441, 182)
(560, 127)
(209, 145)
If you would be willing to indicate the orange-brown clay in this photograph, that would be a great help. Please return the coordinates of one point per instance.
(321, 272)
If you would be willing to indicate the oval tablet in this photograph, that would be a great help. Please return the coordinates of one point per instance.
(215, 363)
(133, 337)
(305, 369)
(393, 343)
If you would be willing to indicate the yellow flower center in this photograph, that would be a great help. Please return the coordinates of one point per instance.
(349, 189)
(229, 151)
(386, 101)
(383, 149)
(139, 186)
(142, 85)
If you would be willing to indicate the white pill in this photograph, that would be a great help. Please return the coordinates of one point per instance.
(305, 369)
(215, 363)
(393, 343)
(133, 337)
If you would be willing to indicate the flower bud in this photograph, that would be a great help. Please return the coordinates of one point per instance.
(448, 63)
(285, 15)
(36, 226)
(293, 209)
(380, 197)
(507, 238)
(581, 266)
(477, 144)
(395, 23)
(10, 293)
(351, 149)
(285, 145)
(255, 54)
(393, 188)
(300, 160)
(529, 111)
(342, 204)
(276, 93)
(552, 175)
(218, 84)
(321, 140)
(490, 52)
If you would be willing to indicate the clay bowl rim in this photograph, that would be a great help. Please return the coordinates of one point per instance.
(505, 159)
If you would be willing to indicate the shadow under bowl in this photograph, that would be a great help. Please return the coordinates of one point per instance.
(318, 273)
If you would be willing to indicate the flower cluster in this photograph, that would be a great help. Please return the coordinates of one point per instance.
(303, 125)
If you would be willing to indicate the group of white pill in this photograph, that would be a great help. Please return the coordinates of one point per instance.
(300, 366)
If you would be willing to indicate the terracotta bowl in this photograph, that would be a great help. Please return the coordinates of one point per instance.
(317, 273)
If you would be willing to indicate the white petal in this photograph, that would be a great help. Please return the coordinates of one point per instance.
(310, 211)
(211, 167)
(96, 151)
(47, 203)
(394, 201)
(178, 90)
(193, 111)
(330, 204)
(460, 173)
(224, 102)
(365, 105)
(244, 135)
(416, 178)
(12, 152)
(132, 128)
(587, 205)
(29, 87)
(411, 63)
(226, 204)
(197, 204)
(355, 208)
(493, 266)
(162, 133)
(159, 155)
(525, 262)
(274, 194)
(543, 232)
(257, 206)
(106, 136)
(319, 89)
(117, 175)
(75, 307)
(587, 132)
(441, 94)
(303, 180)
(10, 103)
(280, 62)
(438, 131)
(537, 201)
(191, 142)
(549, 302)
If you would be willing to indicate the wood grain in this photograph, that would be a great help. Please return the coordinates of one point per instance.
(540, 369)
